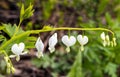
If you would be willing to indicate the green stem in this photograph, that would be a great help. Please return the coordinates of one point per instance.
(80, 57)
(46, 30)
(68, 28)
(17, 28)
(4, 52)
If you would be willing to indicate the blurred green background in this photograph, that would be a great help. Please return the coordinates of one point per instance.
(98, 61)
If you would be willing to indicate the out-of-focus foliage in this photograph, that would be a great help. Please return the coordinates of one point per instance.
(98, 61)
(59, 62)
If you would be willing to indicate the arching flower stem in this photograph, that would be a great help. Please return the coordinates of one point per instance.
(70, 28)
(51, 29)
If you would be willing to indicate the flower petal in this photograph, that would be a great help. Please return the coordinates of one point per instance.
(52, 42)
(51, 49)
(12, 56)
(39, 45)
(21, 46)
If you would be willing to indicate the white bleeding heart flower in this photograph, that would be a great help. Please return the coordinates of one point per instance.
(52, 42)
(82, 40)
(40, 47)
(102, 36)
(17, 49)
(68, 41)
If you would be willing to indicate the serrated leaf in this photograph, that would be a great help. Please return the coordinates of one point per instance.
(109, 19)
(10, 30)
(1, 27)
(76, 70)
(28, 12)
(111, 69)
(2, 39)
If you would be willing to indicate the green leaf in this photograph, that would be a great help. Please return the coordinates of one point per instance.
(10, 30)
(109, 19)
(76, 70)
(26, 13)
(45, 61)
(1, 27)
(2, 39)
(30, 42)
(102, 6)
(111, 69)
(22, 12)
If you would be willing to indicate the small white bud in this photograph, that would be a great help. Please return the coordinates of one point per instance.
(102, 36)
(104, 43)
(108, 40)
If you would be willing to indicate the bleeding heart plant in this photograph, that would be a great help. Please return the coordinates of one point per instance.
(17, 49)
(68, 41)
(82, 40)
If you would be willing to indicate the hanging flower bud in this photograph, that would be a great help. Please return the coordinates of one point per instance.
(17, 49)
(108, 40)
(52, 42)
(102, 36)
(82, 40)
(104, 43)
(68, 41)
(114, 41)
(40, 47)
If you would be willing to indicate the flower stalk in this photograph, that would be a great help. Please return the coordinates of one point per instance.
(51, 29)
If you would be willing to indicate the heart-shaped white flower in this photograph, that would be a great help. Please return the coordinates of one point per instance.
(52, 42)
(40, 47)
(82, 39)
(68, 41)
(17, 49)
